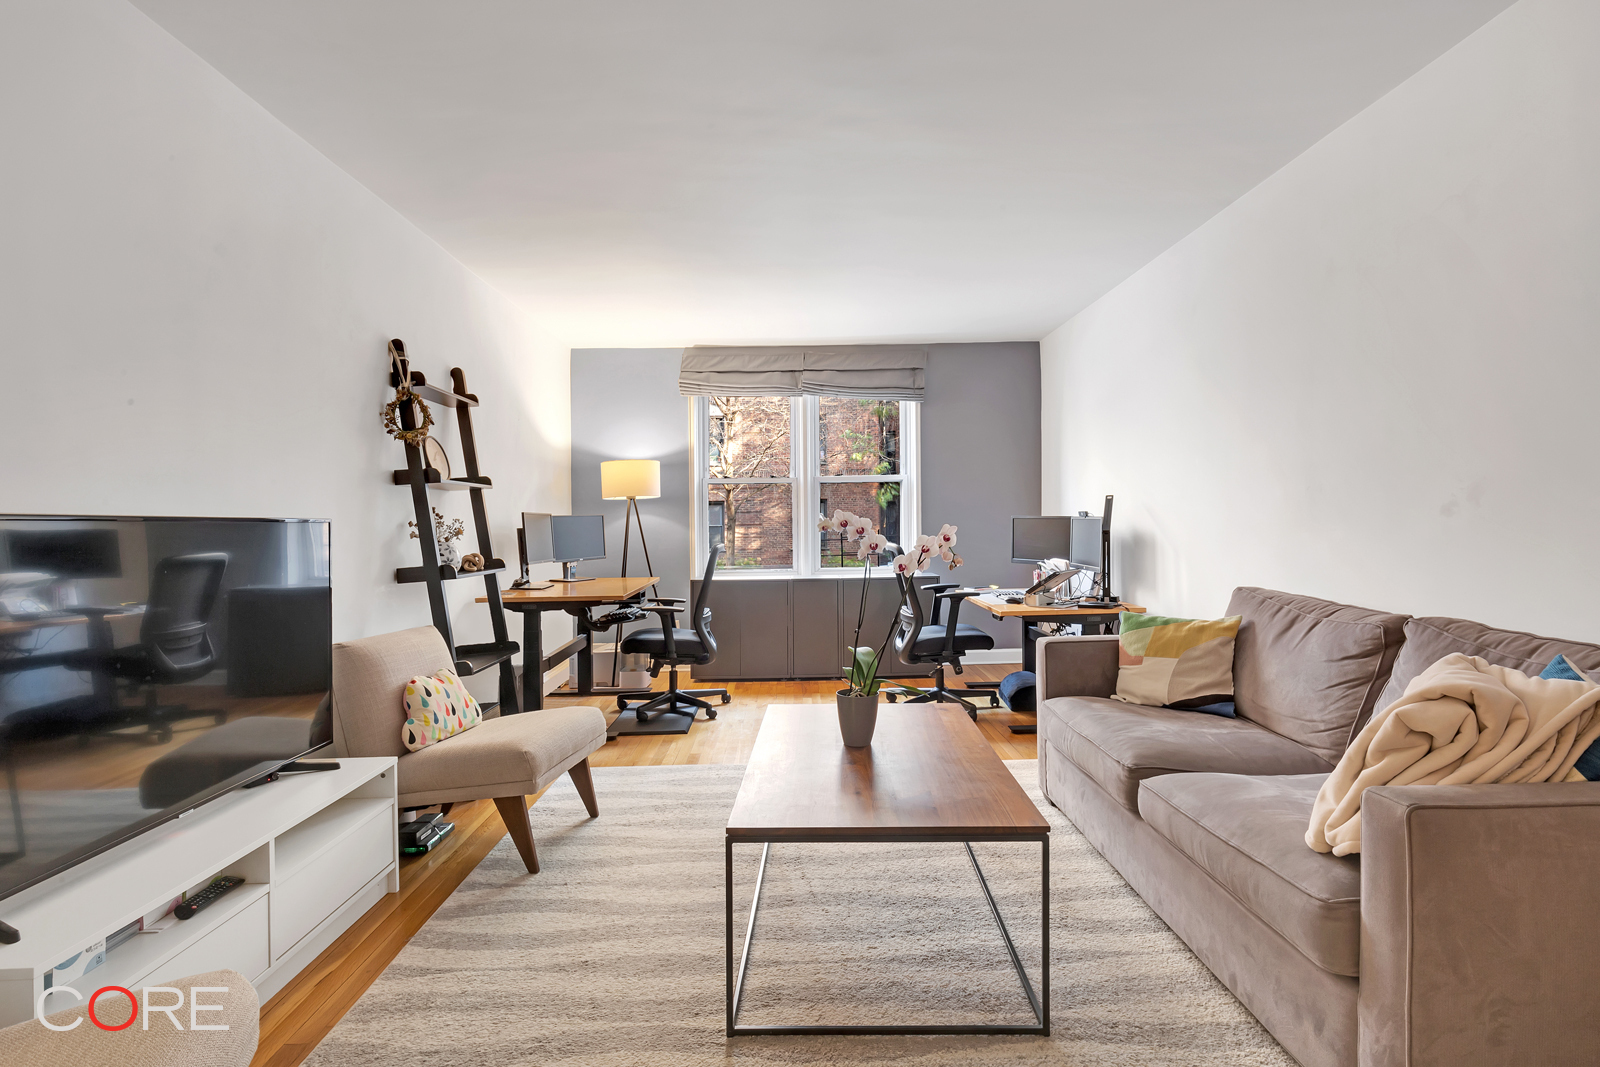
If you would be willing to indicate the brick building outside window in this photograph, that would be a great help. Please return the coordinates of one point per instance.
(769, 467)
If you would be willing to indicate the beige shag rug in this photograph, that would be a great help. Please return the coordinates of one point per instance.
(614, 955)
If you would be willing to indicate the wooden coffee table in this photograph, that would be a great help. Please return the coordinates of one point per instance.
(929, 776)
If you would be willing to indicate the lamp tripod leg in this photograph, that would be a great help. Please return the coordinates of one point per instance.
(639, 516)
(627, 530)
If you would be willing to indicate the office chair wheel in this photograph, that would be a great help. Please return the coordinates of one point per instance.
(711, 713)
(726, 699)
(891, 697)
(622, 703)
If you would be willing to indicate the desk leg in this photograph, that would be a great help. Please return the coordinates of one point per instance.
(1029, 639)
(532, 659)
(101, 641)
(585, 654)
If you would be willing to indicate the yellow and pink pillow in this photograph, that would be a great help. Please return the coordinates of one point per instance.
(437, 707)
(1176, 663)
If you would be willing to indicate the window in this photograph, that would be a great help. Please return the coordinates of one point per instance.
(770, 467)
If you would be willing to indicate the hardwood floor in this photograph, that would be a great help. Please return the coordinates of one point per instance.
(294, 1021)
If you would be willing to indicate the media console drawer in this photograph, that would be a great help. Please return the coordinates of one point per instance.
(239, 944)
(317, 887)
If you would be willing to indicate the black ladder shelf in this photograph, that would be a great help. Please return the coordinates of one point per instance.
(468, 659)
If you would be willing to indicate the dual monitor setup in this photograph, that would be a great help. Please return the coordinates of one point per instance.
(1083, 540)
(564, 539)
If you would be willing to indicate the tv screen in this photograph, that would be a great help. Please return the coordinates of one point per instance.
(148, 665)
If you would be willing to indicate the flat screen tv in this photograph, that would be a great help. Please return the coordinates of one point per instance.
(148, 665)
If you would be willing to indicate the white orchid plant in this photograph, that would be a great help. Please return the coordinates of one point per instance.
(862, 674)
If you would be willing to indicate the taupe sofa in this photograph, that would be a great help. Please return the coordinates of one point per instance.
(1466, 933)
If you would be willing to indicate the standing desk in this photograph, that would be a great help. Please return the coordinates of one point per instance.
(1104, 619)
(575, 598)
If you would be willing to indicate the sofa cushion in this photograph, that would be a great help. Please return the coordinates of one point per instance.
(507, 756)
(1311, 669)
(1119, 744)
(1248, 833)
(1428, 640)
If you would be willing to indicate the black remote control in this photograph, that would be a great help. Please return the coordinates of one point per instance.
(207, 896)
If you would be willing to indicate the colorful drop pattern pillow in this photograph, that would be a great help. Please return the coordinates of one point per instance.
(437, 707)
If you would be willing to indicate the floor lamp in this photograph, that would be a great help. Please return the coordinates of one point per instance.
(632, 480)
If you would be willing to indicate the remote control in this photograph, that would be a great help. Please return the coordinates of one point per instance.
(207, 896)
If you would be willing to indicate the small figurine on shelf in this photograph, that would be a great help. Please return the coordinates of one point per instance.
(472, 561)
(446, 532)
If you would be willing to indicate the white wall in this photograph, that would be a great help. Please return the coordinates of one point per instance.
(1374, 377)
(194, 306)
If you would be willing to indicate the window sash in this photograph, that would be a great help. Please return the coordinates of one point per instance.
(805, 480)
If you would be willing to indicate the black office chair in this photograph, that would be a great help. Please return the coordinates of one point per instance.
(920, 640)
(174, 642)
(673, 647)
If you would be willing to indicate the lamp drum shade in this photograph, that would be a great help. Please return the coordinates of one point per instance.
(621, 479)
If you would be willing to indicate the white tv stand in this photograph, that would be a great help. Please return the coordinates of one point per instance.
(316, 851)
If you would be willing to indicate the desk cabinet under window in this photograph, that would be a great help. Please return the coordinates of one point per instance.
(796, 627)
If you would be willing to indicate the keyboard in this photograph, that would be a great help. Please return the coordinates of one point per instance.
(1003, 593)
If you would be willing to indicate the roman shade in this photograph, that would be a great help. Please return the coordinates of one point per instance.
(879, 372)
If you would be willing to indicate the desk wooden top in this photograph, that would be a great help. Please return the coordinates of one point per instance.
(593, 591)
(21, 626)
(929, 772)
(1001, 610)
(17, 626)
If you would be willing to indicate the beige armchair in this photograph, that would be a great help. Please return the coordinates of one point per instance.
(161, 1045)
(503, 759)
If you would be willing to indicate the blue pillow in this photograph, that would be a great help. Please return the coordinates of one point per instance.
(1225, 708)
(1588, 764)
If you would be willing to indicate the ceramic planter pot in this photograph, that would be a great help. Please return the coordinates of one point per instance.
(858, 717)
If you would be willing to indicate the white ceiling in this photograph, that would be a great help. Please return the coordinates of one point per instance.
(664, 172)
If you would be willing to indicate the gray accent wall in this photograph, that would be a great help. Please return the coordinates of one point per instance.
(980, 457)
(625, 405)
(980, 462)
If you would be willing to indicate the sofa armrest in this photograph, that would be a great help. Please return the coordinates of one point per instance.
(1076, 666)
(1478, 938)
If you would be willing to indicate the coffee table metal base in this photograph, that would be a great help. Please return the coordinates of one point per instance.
(1039, 1001)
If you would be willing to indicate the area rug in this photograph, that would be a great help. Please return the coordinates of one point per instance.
(614, 954)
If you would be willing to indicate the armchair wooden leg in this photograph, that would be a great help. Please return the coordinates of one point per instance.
(514, 813)
(444, 809)
(584, 781)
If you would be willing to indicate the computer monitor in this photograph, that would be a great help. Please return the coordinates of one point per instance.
(65, 553)
(1095, 530)
(574, 538)
(1036, 538)
(533, 543)
(1085, 551)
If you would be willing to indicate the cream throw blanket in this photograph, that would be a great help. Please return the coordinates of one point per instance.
(1462, 721)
